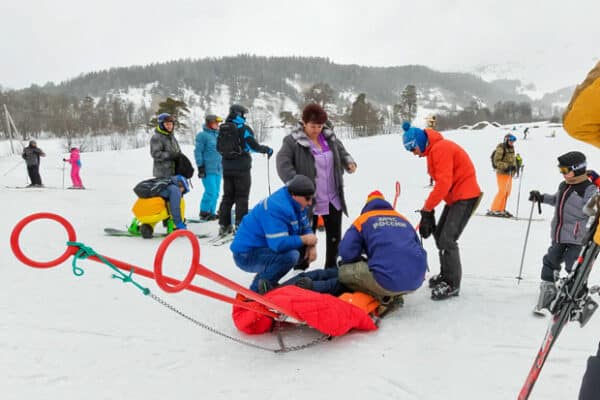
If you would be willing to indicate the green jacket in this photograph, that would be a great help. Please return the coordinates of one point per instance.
(505, 160)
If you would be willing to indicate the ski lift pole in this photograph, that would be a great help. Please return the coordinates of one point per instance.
(519, 277)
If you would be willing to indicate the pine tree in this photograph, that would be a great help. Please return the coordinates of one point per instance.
(408, 103)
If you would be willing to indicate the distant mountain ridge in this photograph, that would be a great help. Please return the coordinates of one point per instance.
(247, 75)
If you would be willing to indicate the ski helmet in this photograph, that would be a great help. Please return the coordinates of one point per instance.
(572, 161)
(181, 181)
(510, 138)
(162, 118)
(238, 109)
(212, 118)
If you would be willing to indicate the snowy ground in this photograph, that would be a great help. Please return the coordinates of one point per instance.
(67, 337)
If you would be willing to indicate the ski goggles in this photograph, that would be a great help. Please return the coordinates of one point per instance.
(566, 169)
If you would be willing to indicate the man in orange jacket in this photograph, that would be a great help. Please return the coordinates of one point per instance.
(456, 184)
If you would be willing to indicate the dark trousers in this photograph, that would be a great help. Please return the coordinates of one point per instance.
(333, 234)
(449, 228)
(558, 253)
(236, 190)
(34, 174)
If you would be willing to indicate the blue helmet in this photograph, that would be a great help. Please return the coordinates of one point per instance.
(181, 181)
(162, 118)
(510, 138)
(413, 137)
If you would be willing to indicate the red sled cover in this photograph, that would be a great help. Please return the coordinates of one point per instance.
(325, 313)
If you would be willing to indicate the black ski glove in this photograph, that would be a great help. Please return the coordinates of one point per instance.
(201, 172)
(536, 196)
(269, 151)
(427, 224)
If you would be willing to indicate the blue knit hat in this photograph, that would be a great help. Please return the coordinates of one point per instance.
(413, 137)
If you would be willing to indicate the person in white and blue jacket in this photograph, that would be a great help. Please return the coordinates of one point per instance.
(276, 233)
(210, 170)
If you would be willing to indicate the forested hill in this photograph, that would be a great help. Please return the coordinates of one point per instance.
(246, 75)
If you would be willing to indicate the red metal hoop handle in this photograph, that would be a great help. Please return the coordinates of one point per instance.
(16, 233)
(158, 260)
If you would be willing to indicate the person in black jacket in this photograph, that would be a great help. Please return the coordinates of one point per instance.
(313, 150)
(31, 155)
(236, 169)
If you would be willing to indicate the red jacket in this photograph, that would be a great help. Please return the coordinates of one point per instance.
(326, 313)
(452, 170)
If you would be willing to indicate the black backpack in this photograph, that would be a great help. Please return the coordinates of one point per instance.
(229, 141)
(183, 166)
(151, 187)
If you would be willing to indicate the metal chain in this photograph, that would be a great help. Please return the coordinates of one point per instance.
(283, 349)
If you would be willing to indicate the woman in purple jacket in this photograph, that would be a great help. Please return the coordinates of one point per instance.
(313, 150)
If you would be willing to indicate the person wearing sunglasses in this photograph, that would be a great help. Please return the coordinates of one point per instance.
(504, 161)
(568, 226)
(455, 182)
(276, 234)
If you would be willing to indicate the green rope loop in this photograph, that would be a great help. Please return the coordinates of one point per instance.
(86, 251)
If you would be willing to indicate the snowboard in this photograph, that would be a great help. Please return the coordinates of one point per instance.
(126, 233)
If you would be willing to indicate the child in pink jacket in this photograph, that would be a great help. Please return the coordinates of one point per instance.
(75, 162)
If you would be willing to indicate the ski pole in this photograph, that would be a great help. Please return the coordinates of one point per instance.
(269, 174)
(519, 194)
(519, 278)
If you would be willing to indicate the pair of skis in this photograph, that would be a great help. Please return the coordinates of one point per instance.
(572, 303)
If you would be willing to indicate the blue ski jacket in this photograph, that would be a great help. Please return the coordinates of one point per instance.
(394, 253)
(276, 222)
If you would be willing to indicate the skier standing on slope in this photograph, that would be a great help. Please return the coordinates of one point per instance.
(164, 147)
(456, 183)
(235, 142)
(210, 169)
(75, 161)
(31, 155)
(568, 228)
(505, 164)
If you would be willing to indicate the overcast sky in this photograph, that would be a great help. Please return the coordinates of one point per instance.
(552, 43)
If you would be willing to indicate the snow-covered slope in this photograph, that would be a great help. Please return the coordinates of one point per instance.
(67, 337)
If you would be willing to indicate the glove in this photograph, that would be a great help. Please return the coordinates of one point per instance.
(593, 175)
(536, 196)
(269, 152)
(180, 225)
(427, 224)
(201, 172)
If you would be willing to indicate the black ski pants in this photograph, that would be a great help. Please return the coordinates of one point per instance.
(236, 190)
(451, 224)
(557, 253)
(333, 234)
(34, 174)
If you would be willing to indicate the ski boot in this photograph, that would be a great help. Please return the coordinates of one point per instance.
(435, 280)
(444, 291)
(548, 293)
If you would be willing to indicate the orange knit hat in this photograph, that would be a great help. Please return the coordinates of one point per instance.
(376, 194)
